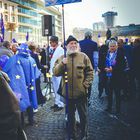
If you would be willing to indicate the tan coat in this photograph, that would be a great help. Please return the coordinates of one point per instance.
(80, 74)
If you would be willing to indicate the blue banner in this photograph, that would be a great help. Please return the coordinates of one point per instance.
(2, 28)
(27, 36)
(59, 2)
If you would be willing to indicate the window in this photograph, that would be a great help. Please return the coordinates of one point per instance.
(6, 17)
(13, 19)
(0, 4)
(5, 6)
(13, 8)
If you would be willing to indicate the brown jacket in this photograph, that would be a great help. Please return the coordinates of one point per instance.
(80, 74)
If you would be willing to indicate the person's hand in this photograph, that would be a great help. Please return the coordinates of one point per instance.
(108, 69)
(5, 76)
(64, 61)
(98, 70)
(45, 66)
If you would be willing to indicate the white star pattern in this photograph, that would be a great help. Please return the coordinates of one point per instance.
(32, 87)
(17, 76)
(18, 62)
(34, 65)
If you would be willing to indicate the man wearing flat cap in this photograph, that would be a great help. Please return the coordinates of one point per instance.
(80, 77)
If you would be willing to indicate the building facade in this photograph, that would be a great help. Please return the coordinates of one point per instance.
(24, 16)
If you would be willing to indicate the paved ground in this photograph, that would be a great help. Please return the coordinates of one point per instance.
(101, 125)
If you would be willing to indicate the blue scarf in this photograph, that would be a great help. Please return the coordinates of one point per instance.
(110, 61)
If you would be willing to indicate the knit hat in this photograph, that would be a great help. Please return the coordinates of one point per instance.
(71, 38)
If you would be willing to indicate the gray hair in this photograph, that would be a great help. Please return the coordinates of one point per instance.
(88, 35)
(113, 42)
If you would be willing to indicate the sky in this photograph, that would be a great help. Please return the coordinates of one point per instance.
(84, 14)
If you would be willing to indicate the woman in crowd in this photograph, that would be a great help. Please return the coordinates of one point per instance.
(40, 98)
(115, 66)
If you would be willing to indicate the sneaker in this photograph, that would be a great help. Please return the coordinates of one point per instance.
(54, 106)
(35, 110)
(57, 109)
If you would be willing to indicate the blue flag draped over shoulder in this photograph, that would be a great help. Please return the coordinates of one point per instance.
(59, 2)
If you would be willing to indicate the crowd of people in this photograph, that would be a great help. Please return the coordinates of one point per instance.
(71, 74)
(118, 67)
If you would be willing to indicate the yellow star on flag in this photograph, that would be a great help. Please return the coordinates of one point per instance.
(18, 62)
(17, 76)
(34, 65)
(32, 87)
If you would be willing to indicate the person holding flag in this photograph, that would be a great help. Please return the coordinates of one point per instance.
(79, 78)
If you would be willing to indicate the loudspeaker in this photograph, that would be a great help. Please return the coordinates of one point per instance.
(48, 25)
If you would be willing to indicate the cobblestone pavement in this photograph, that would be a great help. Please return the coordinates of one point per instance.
(101, 125)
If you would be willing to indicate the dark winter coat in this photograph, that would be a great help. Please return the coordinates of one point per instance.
(9, 111)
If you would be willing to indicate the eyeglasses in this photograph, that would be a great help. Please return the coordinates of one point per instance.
(112, 46)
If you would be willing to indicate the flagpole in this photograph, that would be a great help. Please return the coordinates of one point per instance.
(66, 74)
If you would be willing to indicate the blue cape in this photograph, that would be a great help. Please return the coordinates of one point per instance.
(22, 71)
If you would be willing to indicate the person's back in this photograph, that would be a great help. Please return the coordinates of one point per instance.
(23, 74)
(5, 49)
(128, 53)
(43, 56)
(89, 47)
(136, 57)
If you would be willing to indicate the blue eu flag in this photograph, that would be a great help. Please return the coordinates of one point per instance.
(2, 28)
(59, 2)
(27, 36)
